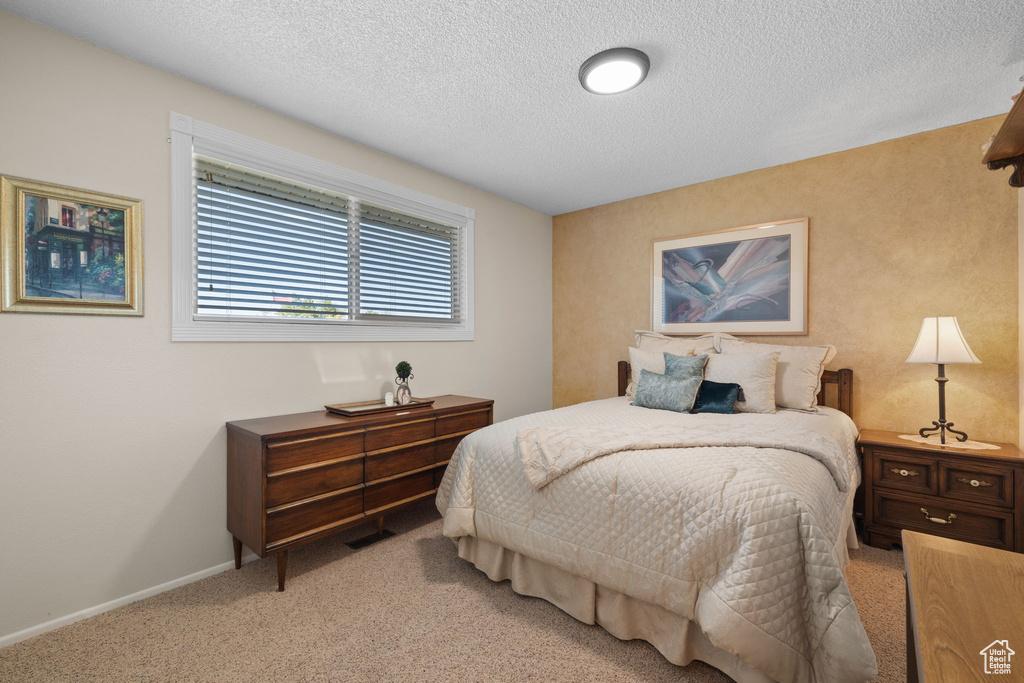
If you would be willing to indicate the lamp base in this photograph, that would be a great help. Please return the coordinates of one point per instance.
(941, 427)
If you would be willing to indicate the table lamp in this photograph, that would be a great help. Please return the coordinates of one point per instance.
(941, 342)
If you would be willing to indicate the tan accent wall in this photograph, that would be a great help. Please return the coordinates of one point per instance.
(899, 230)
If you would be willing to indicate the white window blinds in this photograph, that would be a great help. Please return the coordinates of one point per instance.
(273, 250)
(407, 266)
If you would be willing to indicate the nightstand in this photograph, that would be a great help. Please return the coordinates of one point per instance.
(970, 495)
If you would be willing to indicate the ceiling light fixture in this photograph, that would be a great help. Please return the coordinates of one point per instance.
(614, 71)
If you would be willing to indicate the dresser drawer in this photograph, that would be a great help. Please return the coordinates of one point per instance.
(324, 511)
(381, 464)
(446, 447)
(282, 455)
(893, 469)
(987, 527)
(978, 484)
(462, 422)
(386, 436)
(311, 480)
(398, 490)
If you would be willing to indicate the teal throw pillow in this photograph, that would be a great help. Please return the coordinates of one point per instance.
(685, 366)
(664, 392)
(716, 397)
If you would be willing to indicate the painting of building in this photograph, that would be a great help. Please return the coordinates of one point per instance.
(73, 250)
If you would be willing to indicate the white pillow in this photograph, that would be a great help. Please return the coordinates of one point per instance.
(754, 372)
(677, 346)
(652, 361)
(798, 377)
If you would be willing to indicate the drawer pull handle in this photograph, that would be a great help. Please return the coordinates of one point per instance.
(974, 482)
(948, 520)
(905, 473)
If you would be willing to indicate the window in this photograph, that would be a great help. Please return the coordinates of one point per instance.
(272, 245)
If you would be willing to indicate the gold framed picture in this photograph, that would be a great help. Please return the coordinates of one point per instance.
(66, 250)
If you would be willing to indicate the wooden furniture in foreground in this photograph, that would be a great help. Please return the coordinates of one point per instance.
(971, 495)
(1007, 148)
(842, 379)
(962, 599)
(295, 478)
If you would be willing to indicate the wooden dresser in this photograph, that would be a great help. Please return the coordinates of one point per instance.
(295, 478)
(971, 495)
(963, 611)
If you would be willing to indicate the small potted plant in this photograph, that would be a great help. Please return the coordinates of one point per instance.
(403, 396)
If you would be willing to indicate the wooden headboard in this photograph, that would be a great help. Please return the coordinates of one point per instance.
(842, 379)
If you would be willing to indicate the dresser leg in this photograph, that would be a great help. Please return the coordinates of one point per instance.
(380, 526)
(238, 552)
(282, 565)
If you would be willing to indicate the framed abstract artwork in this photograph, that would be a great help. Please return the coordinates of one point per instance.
(747, 280)
(66, 250)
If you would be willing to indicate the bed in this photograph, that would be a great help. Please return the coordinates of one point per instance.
(720, 538)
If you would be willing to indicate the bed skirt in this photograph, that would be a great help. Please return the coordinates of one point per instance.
(678, 639)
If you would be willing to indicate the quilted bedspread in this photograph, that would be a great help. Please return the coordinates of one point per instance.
(747, 541)
(549, 453)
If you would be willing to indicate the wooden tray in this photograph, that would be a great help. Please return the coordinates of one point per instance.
(376, 407)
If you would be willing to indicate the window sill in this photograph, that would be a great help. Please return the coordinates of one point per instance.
(207, 331)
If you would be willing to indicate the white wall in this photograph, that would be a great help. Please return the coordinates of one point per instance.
(112, 445)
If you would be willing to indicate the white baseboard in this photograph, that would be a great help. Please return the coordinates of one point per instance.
(27, 633)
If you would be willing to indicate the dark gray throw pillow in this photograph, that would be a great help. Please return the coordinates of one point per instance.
(716, 397)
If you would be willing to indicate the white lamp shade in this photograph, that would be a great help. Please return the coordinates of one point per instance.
(941, 341)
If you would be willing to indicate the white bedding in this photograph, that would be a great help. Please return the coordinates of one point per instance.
(745, 541)
(548, 453)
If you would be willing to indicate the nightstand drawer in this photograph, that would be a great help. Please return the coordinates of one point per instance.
(978, 484)
(893, 469)
(944, 518)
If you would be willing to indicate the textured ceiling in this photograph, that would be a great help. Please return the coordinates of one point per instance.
(487, 92)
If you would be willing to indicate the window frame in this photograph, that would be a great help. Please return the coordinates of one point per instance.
(190, 136)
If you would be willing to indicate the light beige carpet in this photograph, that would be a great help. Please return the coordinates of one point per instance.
(406, 608)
